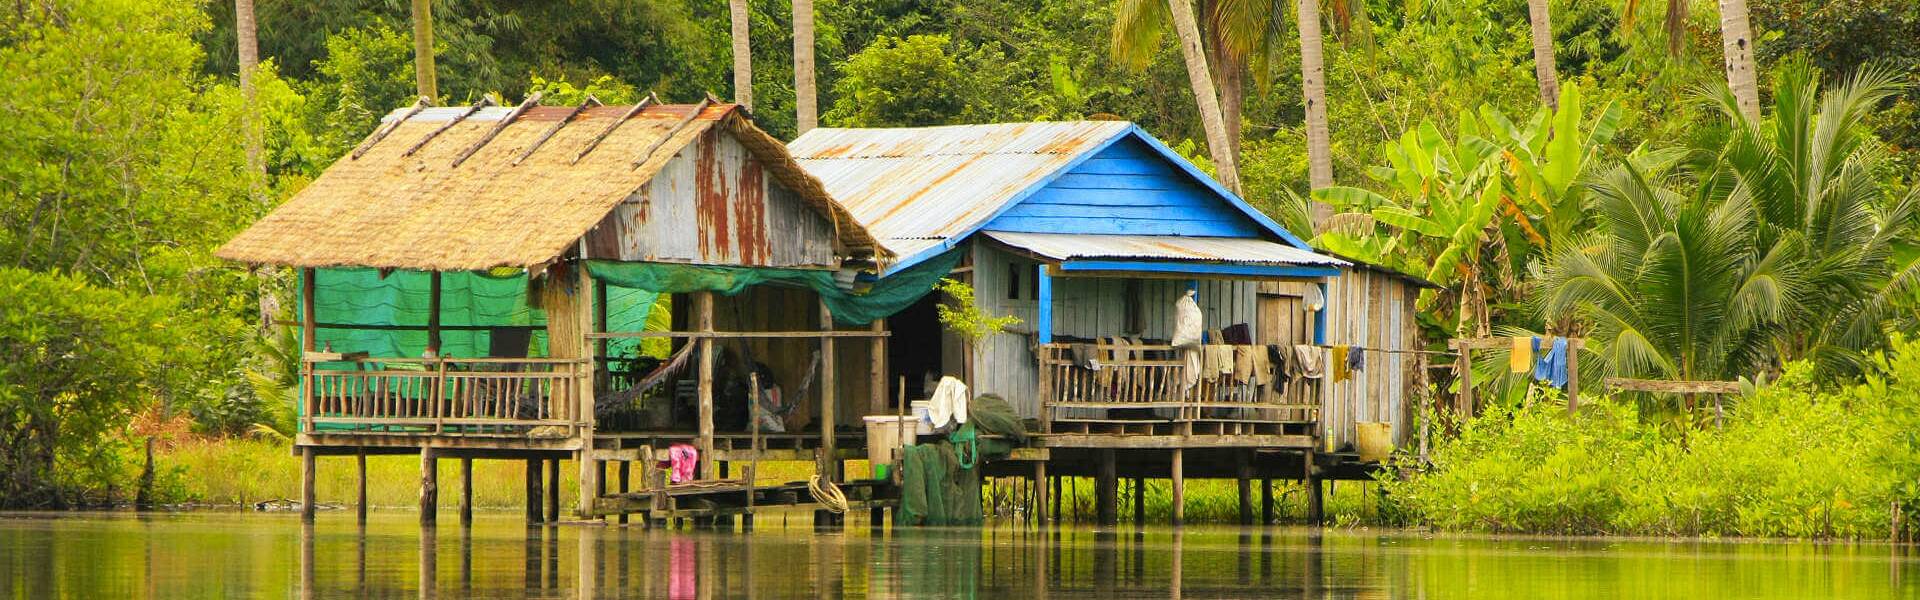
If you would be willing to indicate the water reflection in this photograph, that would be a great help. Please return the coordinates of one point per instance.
(230, 555)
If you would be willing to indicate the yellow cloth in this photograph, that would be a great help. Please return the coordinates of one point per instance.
(1217, 362)
(1520, 360)
(1338, 356)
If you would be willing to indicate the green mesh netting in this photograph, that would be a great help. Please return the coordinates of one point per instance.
(860, 306)
(360, 296)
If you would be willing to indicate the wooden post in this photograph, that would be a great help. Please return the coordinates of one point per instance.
(1040, 491)
(535, 513)
(466, 492)
(625, 473)
(1139, 501)
(829, 400)
(553, 490)
(877, 373)
(308, 333)
(1465, 367)
(1107, 489)
(703, 320)
(307, 466)
(1573, 375)
(1243, 476)
(433, 313)
(1312, 481)
(361, 504)
(429, 487)
(586, 313)
(1266, 501)
(1179, 487)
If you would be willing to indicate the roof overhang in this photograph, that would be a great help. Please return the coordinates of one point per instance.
(1156, 255)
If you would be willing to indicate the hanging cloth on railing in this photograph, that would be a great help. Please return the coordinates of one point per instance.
(949, 403)
(1552, 367)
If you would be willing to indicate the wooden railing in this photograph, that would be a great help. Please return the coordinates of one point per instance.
(1150, 377)
(474, 395)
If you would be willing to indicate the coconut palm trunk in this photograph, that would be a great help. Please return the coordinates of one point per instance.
(247, 37)
(742, 53)
(425, 81)
(1543, 66)
(806, 101)
(1219, 145)
(1313, 90)
(1736, 40)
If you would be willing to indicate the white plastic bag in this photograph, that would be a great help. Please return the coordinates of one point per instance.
(1186, 321)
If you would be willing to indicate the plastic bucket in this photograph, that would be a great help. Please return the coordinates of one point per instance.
(883, 437)
(1374, 440)
(921, 411)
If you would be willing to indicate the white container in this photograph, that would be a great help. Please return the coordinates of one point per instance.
(922, 416)
(883, 439)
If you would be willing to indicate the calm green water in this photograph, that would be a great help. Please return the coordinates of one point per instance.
(209, 555)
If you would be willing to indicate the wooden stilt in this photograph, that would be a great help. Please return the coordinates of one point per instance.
(1040, 491)
(429, 487)
(1314, 493)
(1266, 501)
(1139, 501)
(625, 473)
(1179, 468)
(553, 490)
(466, 492)
(535, 513)
(1243, 480)
(1106, 489)
(360, 503)
(1054, 495)
(829, 462)
(703, 320)
(307, 466)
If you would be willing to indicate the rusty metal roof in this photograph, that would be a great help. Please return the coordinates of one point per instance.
(1072, 246)
(914, 188)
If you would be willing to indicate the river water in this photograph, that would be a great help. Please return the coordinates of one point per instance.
(236, 555)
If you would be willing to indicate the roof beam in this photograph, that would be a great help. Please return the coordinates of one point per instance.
(418, 106)
(637, 107)
(485, 101)
(531, 101)
(655, 146)
(590, 101)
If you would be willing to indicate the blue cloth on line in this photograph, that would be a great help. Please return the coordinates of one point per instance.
(1551, 366)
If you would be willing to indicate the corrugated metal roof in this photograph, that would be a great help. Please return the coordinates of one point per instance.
(916, 187)
(1070, 246)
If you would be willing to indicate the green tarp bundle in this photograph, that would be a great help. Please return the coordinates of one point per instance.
(940, 481)
(886, 296)
(360, 296)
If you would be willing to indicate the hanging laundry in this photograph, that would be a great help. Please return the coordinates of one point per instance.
(1280, 358)
(1260, 365)
(1084, 356)
(1356, 361)
(1520, 359)
(1186, 321)
(1337, 362)
(1237, 334)
(681, 459)
(1552, 367)
(1191, 369)
(1309, 361)
(949, 403)
(1243, 364)
(1217, 362)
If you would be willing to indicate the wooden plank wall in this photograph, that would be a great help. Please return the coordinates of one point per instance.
(1128, 188)
(1083, 307)
(1374, 310)
(714, 204)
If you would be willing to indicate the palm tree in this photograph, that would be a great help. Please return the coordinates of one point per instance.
(742, 53)
(1219, 143)
(806, 102)
(1236, 35)
(1543, 68)
(1736, 41)
(1780, 250)
(247, 35)
(426, 82)
(1313, 89)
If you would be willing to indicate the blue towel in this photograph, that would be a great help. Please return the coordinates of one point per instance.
(1552, 366)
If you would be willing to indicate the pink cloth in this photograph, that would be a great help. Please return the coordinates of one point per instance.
(681, 460)
(682, 581)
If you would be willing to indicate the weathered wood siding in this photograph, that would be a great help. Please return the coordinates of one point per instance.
(714, 204)
(1083, 307)
(1369, 309)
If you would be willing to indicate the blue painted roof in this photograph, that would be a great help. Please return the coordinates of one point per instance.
(922, 190)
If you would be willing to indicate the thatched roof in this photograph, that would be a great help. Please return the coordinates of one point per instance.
(390, 207)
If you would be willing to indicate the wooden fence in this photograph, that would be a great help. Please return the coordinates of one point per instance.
(475, 395)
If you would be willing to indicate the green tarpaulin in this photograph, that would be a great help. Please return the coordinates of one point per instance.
(358, 296)
(860, 306)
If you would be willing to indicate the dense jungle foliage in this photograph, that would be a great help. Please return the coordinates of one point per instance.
(1683, 238)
